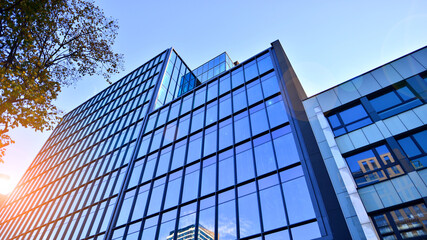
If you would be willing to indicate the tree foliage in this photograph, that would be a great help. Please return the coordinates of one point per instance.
(44, 45)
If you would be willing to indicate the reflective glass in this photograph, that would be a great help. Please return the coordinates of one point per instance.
(254, 92)
(226, 170)
(179, 154)
(264, 63)
(208, 176)
(194, 147)
(245, 163)
(141, 201)
(191, 183)
(251, 70)
(227, 220)
(272, 207)
(237, 77)
(156, 194)
(207, 220)
(212, 113)
(285, 155)
(298, 201)
(270, 84)
(224, 84)
(149, 167)
(259, 121)
(173, 189)
(164, 160)
(225, 134)
(276, 112)
(224, 106)
(210, 141)
(183, 127)
(239, 99)
(168, 224)
(264, 155)
(241, 127)
(198, 120)
(212, 90)
(248, 215)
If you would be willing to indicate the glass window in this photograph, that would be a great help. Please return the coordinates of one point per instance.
(187, 104)
(209, 176)
(407, 222)
(374, 165)
(151, 122)
(251, 70)
(237, 77)
(270, 84)
(136, 173)
(254, 92)
(272, 207)
(264, 155)
(212, 90)
(199, 99)
(183, 127)
(241, 127)
(285, 155)
(169, 133)
(224, 84)
(162, 117)
(194, 147)
(164, 160)
(227, 215)
(259, 121)
(191, 183)
(244, 162)
(239, 99)
(298, 201)
(198, 120)
(187, 218)
(156, 195)
(179, 154)
(125, 208)
(173, 190)
(276, 112)
(226, 170)
(395, 101)
(349, 119)
(307, 231)
(149, 167)
(212, 113)
(157, 139)
(415, 147)
(207, 219)
(225, 134)
(225, 106)
(210, 141)
(264, 63)
(174, 110)
(150, 227)
(249, 221)
(167, 225)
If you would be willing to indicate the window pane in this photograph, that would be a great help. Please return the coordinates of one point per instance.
(173, 190)
(194, 148)
(179, 154)
(225, 134)
(272, 208)
(249, 215)
(210, 141)
(264, 157)
(208, 176)
(276, 112)
(227, 220)
(212, 90)
(285, 155)
(270, 85)
(191, 183)
(245, 165)
(251, 70)
(156, 194)
(385, 101)
(183, 127)
(239, 99)
(237, 77)
(164, 160)
(212, 113)
(224, 106)
(254, 92)
(298, 201)
(198, 120)
(141, 201)
(224, 84)
(226, 173)
(264, 63)
(259, 121)
(241, 127)
(353, 114)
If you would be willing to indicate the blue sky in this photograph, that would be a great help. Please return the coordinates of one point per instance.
(327, 42)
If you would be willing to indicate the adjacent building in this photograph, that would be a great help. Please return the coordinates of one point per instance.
(232, 151)
(371, 131)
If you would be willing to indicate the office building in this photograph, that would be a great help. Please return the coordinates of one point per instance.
(371, 131)
(227, 151)
(161, 151)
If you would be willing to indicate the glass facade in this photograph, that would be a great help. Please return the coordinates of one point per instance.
(152, 157)
(214, 67)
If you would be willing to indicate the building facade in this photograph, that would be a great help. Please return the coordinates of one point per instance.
(372, 134)
(161, 152)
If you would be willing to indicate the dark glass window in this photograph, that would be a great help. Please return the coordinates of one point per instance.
(404, 223)
(415, 147)
(395, 101)
(348, 120)
(374, 165)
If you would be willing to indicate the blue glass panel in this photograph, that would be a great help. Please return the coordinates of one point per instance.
(270, 85)
(254, 92)
(272, 208)
(164, 160)
(224, 106)
(210, 141)
(156, 194)
(173, 190)
(298, 201)
(241, 127)
(239, 99)
(286, 155)
(224, 84)
(183, 127)
(259, 121)
(353, 114)
(225, 134)
(237, 77)
(251, 70)
(226, 173)
(282, 235)
(169, 133)
(245, 165)
(264, 63)
(227, 220)
(333, 120)
(198, 120)
(212, 90)
(194, 148)
(207, 223)
(208, 176)
(276, 112)
(248, 215)
(421, 139)
(264, 158)
(212, 113)
(179, 154)
(305, 232)
(409, 147)
(385, 101)
(191, 183)
(149, 168)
